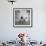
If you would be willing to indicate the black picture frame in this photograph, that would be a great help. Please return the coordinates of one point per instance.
(15, 16)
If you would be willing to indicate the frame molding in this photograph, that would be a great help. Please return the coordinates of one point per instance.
(31, 19)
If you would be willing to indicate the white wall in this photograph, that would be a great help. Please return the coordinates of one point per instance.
(37, 32)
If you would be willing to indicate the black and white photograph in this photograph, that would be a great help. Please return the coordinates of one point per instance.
(22, 17)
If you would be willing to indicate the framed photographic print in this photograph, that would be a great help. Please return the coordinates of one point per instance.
(22, 17)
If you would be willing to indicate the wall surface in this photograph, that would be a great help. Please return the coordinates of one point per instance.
(37, 32)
